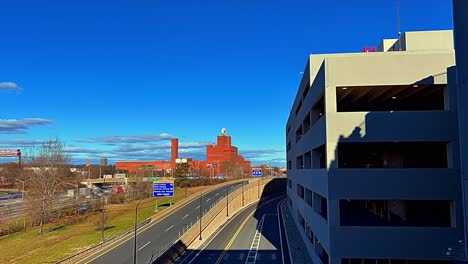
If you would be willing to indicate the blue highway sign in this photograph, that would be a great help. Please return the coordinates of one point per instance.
(163, 189)
(257, 172)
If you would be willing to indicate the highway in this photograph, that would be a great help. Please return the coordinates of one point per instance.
(154, 239)
(18, 209)
(254, 235)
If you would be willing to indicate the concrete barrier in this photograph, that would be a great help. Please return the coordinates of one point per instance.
(214, 219)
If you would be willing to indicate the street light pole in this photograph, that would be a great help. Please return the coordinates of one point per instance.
(136, 225)
(242, 172)
(22, 192)
(227, 200)
(201, 204)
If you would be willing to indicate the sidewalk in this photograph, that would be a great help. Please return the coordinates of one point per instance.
(297, 247)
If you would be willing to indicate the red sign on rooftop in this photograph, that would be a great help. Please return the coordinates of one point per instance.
(369, 49)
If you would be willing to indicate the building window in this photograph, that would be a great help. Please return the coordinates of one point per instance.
(290, 183)
(298, 108)
(300, 162)
(300, 191)
(421, 97)
(319, 158)
(299, 134)
(307, 160)
(289, 165)
(321, 205)
(320, 251)
(309, 197)
(288, 129)
(301, 220)
(309, 234)
(288, 148)
(317, 111)
(393, 155)
(306, 123)
(404, 213)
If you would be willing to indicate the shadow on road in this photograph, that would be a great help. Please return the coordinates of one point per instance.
(265, 218)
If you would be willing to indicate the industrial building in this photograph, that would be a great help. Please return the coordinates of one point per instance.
(221, 159)
(373, 154)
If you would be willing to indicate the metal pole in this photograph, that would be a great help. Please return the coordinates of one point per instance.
(156, 204)
(242, 188)
(103, 218)
(201, 204)
(135, 239)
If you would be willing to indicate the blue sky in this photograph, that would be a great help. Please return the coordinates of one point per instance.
(118, 78)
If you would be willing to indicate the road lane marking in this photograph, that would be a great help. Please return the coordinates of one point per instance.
(213, 236)
(144, 246)
(285, 232)
(216, 194)
(279, 228)
(234, 237)
(252, 256)
(185, 216)
(208, 200)
(111, 247)
(170, 228)
(197, 207)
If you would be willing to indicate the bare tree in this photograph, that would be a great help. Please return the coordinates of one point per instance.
(46, 172)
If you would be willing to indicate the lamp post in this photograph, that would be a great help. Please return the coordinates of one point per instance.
(201, 204)
(227, 200)
(22, 192)
(242, 174)
(271, 169)
(136, 225)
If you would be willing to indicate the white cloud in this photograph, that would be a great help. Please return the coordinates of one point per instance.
(14, 126)
(10, 86)
(113, 140)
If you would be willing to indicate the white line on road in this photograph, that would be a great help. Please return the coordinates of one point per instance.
(170, 228)
(185, 216)
(208, 200)
(279, 228)
(217, 194)
(197, 207)
(144, 246)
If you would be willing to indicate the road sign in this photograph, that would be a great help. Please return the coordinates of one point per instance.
(156, 179)
(163, 189)
(10, 153)
(257, 172)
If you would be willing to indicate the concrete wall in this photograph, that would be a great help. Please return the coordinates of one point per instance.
(460, 15)
(424, 64)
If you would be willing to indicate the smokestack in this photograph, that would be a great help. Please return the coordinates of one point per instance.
(174, 151)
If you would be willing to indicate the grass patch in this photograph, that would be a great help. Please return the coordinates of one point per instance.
(62, 240)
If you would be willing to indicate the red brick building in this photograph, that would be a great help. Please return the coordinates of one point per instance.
(222, 157)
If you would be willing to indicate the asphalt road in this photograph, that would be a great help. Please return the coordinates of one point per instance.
(255, 235)
(152, 241)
